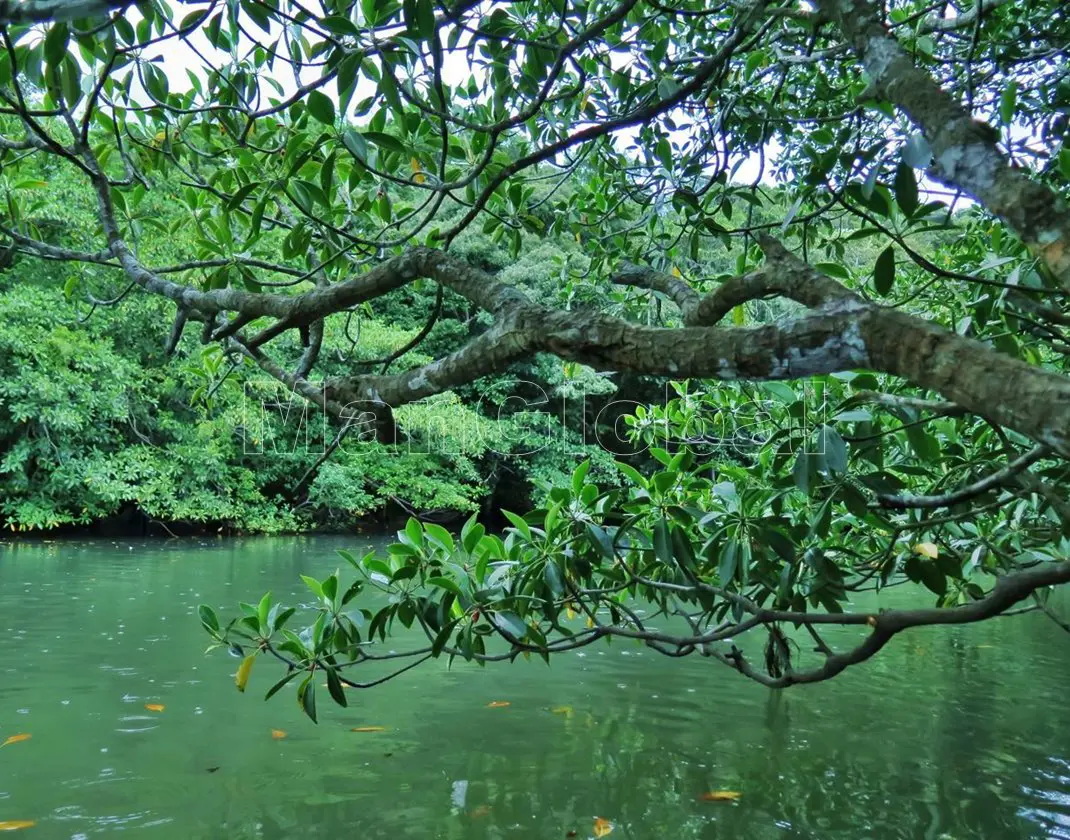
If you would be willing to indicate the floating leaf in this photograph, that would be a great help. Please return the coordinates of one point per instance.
(498, 704)
(14, 739)
(562, 710)
(368, 729)
(481, 811)
(721, 796)
(16, 825)
(241, 679)
(927, 549)
(278, 734)
(155, 707)
(602, 827)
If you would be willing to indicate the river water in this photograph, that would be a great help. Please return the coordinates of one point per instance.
(950, 733)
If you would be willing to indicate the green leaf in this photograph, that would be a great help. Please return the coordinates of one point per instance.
(906, 189)
(238, 197)
(444, 583)
(553, 578)
(208, 619)
(262, 611)
(633, 474)
(321, 107)
(933, 578)
(662, 542)
(782, 391)
(347, 80)
(306, 697)
(425, 19)
(579, 475)
(193, 20)
(442, 638)
(682, 549)
(384, 141)
(155, 81)
(413, 533)
(471, 534)
(335, 688)
(56, 42)
(510, 623)
(354, 141)
(726, 568)
(802, 471)
(314, 586)
(884, 271)
(519, 523)
(440, 536)
(833, 448)
(1008, 102)
(338, 25)
(600, 540)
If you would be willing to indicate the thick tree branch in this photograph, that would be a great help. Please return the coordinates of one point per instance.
(1007, 592)
(970, 491)
(41, 11)
(965, 150)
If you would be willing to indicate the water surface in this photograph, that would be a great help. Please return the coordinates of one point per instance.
(951, 733)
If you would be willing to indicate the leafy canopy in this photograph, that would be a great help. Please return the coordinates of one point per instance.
(895, 177)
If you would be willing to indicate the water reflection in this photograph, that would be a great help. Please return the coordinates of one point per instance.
(952, 733)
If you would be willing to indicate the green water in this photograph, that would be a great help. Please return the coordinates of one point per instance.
(952, 733)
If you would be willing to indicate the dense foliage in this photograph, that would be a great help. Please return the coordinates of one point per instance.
(97, 423)
(839, 230)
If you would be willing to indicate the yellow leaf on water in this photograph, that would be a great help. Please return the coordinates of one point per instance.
(481, 811)
(14, 739)
(155, 707)
(498, 704)
(241, 679)
(368, 729)
(602, 827)
(15, 825)
(927, 549)
(278, 734)
(562, 710)
(721, 796)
